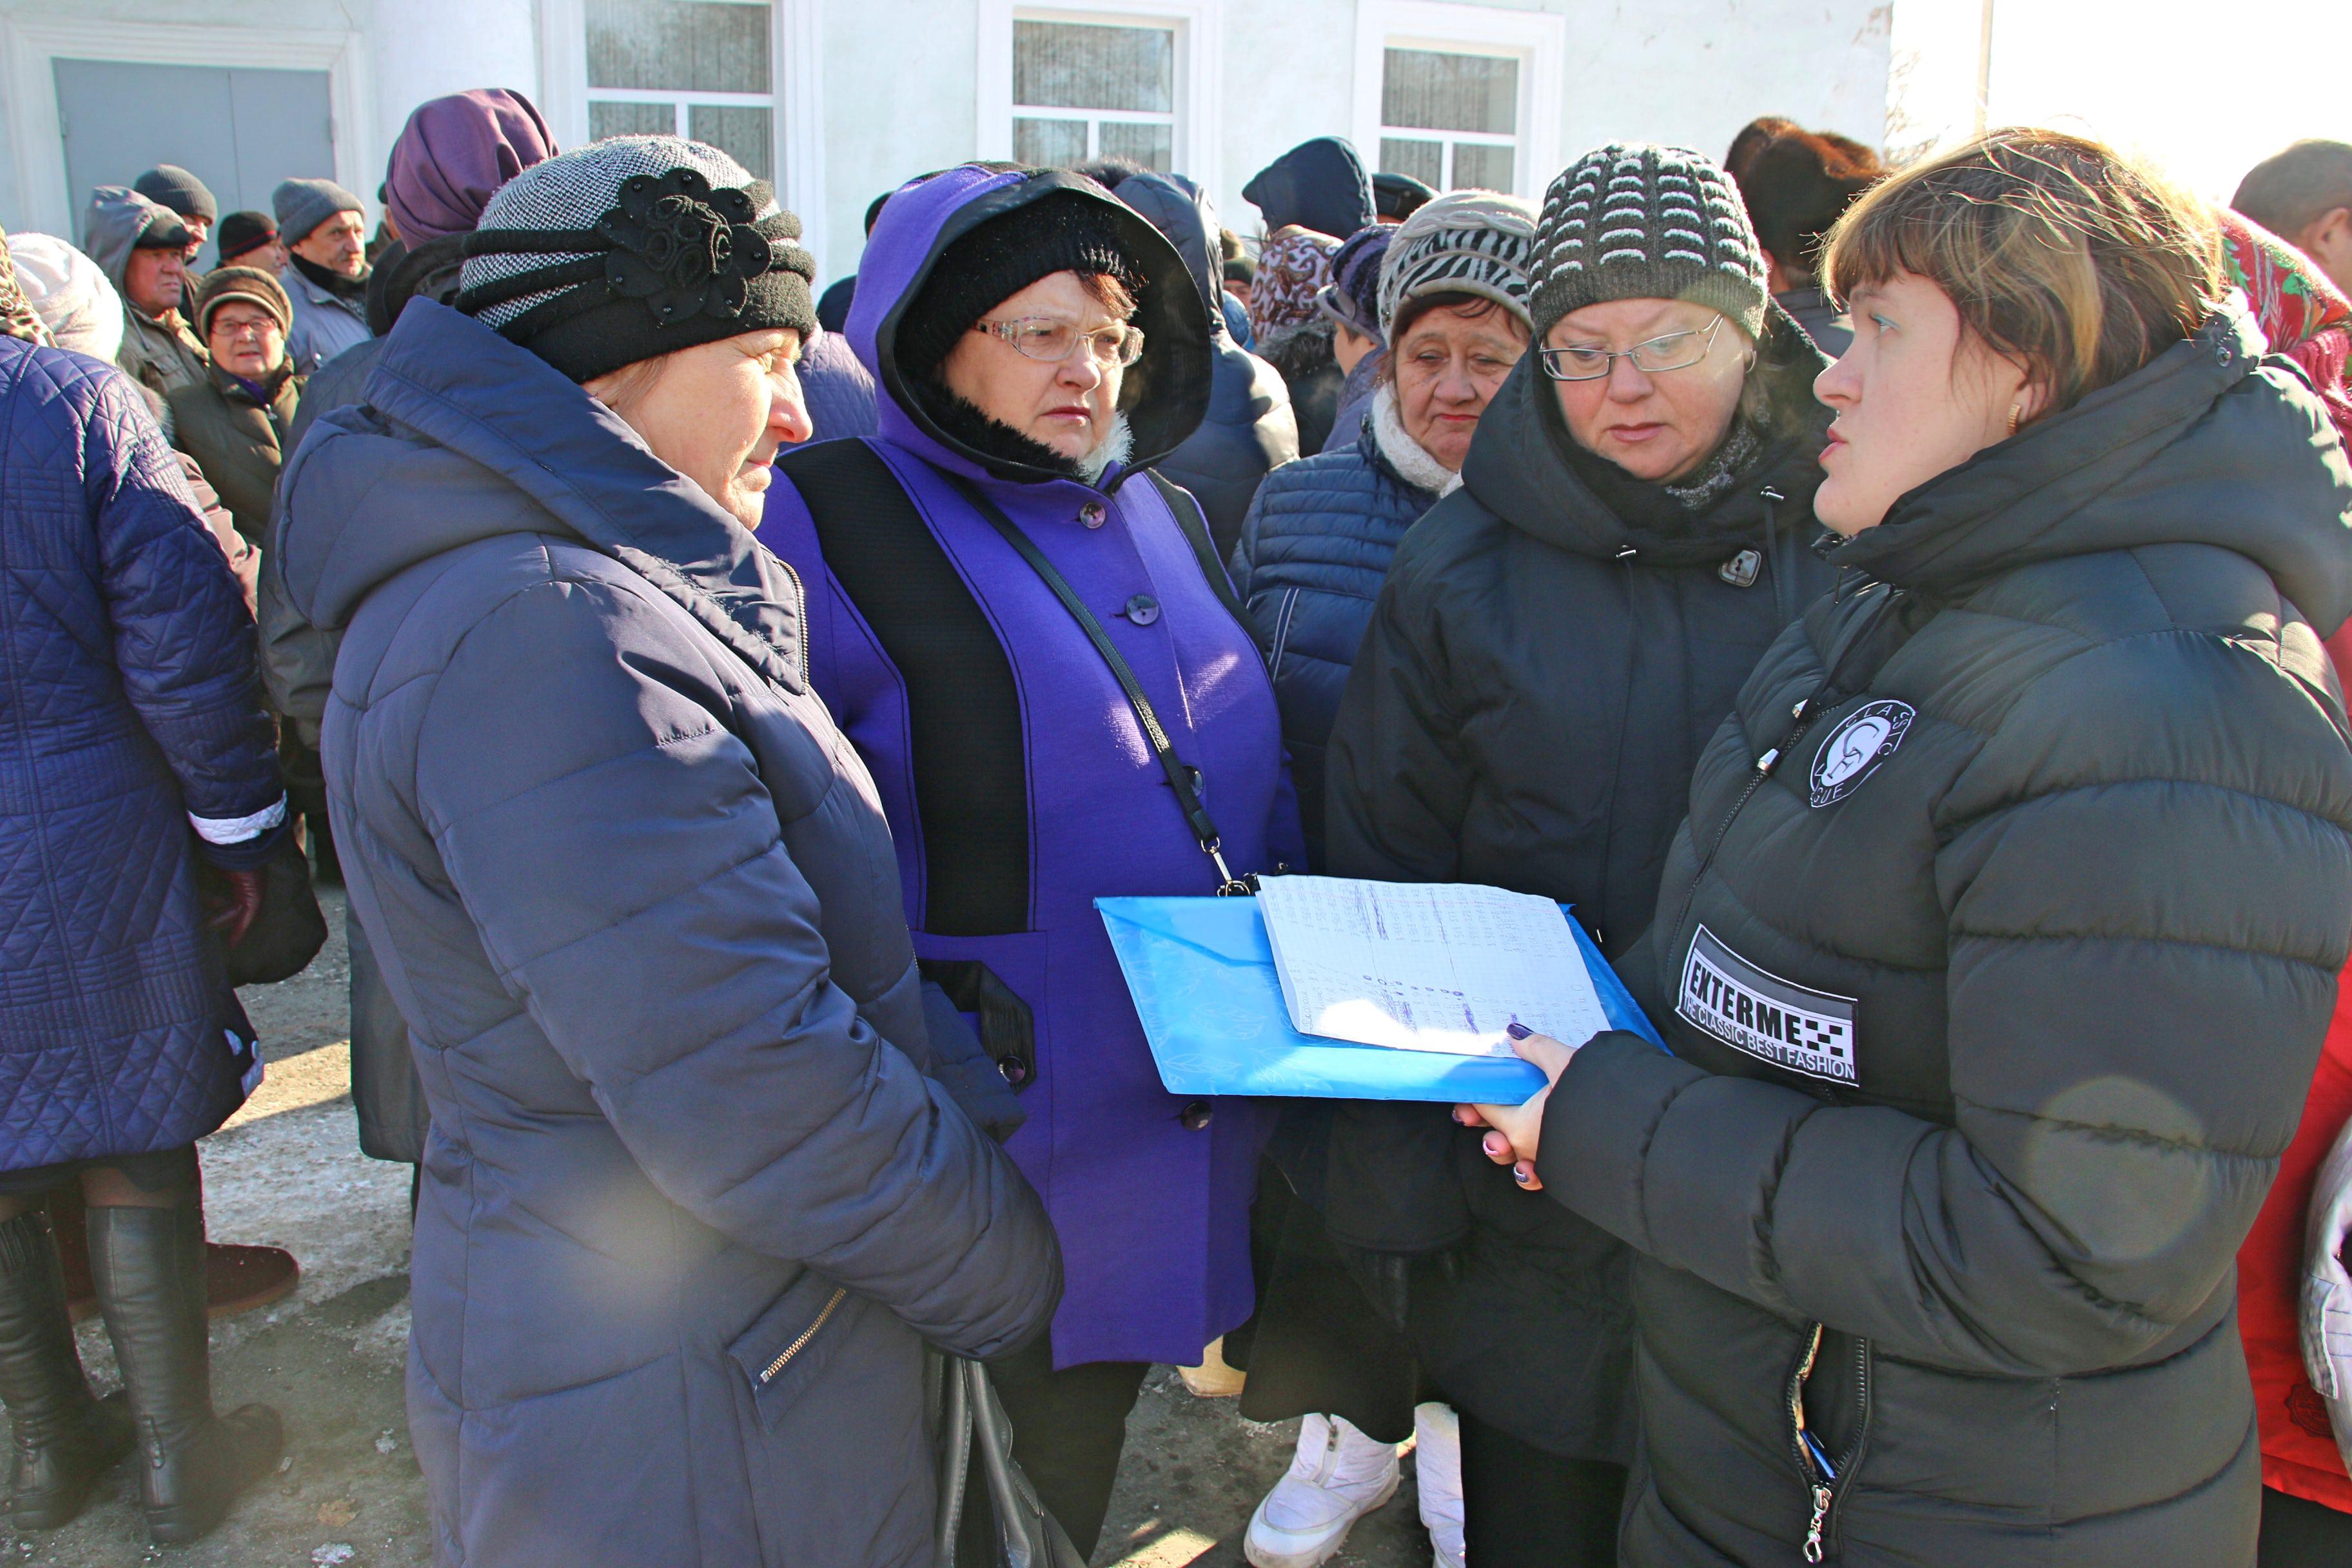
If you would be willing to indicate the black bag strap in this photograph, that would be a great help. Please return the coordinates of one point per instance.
(1184, 780)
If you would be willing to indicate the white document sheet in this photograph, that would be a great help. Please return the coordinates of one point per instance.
(1438, 966)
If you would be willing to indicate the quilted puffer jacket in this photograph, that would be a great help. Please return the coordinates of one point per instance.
(1543, 668)
(1313, 553)
(1995, 956)
(127, 674)
(691, 1205)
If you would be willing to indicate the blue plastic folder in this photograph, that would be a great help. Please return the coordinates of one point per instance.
(1203, 983)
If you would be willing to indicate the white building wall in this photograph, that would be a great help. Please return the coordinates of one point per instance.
(428, 49)
(899, 87)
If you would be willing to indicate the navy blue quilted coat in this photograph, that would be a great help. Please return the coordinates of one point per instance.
(127, 680)
(1313, 552)
(691, 1206)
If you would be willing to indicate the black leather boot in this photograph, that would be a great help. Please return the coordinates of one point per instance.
(149, 1265)
(65, 1439)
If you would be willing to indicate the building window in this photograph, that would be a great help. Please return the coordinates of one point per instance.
(1086, 89)
(1451, 121)
(700, 68)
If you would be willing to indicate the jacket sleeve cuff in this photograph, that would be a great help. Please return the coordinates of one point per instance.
(1598, 1126)
(225, 830)
(241, 843)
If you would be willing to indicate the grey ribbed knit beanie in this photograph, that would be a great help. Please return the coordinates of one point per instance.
(1635, 221)
(303, 205)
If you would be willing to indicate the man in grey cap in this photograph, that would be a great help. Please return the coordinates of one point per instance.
(324, 230)
(170, 186)
(142, 249)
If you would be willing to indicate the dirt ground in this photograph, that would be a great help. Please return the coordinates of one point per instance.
(287, 1171)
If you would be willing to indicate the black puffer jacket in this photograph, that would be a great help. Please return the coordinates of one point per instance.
(1538, 682)
(1248, 428)
(1993, 1003)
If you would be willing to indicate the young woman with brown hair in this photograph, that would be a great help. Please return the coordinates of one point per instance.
(2000, 941)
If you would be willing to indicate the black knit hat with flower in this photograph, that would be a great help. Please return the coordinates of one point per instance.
(625, 249)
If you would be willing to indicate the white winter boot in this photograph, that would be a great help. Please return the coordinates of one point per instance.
(1437, 1474)
(1337, 1476)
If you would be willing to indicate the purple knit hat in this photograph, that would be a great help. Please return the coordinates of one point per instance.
(1352, 298)
(455, 153)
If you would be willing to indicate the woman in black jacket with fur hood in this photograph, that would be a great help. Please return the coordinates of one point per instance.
(2004, 931)
(1553, 645)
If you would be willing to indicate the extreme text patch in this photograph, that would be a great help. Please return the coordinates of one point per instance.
(1772, 1019)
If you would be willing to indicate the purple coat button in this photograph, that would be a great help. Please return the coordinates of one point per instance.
(1093, 514)
(1143, 609)
(1196, 1115)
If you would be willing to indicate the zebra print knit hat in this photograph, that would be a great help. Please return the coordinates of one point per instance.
(1465, 242)
(1635, 221)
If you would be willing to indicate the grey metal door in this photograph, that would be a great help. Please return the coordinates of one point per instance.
(240, 132)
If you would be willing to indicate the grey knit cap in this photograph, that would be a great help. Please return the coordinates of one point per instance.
(1636, 221)
(630, 248)
(303, 205)
(1465, 242)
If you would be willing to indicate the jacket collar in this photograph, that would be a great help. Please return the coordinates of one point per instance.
(2211, 442)
(297, 285)
(462, 387)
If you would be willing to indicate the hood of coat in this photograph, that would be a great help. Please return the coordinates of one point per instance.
(1319, 185)
(1181, 210)
(466, 437)
(118, 216)
(399, 275)
(2212, 442)
(1517, 470)
(1168, 389)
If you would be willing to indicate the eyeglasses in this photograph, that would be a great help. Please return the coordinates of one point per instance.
(1675, 351)
(253, 329)
(1043, 337)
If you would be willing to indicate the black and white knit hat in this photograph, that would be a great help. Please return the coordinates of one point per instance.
(1635, 221)
(1465, 242)
(631, 248)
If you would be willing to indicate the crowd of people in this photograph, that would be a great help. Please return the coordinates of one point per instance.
(1894, 607)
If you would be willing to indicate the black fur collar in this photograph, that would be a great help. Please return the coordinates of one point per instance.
(998, 443)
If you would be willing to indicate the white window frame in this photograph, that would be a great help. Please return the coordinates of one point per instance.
(795, 106)
(1538, 40)
(1199, 26)
(30, 47)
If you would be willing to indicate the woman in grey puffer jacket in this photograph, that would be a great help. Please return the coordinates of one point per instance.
(2003, 933)
(695, 1196)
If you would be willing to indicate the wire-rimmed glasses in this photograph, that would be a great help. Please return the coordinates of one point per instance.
(1670, 351)
(1044, 338)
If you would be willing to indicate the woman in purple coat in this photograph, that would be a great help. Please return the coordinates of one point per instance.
(1036, 346)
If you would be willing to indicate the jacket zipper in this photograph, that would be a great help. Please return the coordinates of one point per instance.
(1282, 632)
(793, 1349)
(1804, 713)
(800, 600)
(1827, 1480)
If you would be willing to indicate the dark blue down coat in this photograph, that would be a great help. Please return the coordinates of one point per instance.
(691, 1205)
(127, 676)
(1313, 553)
(1248, 427)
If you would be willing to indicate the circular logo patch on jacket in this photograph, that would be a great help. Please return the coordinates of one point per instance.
(1855, 748)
